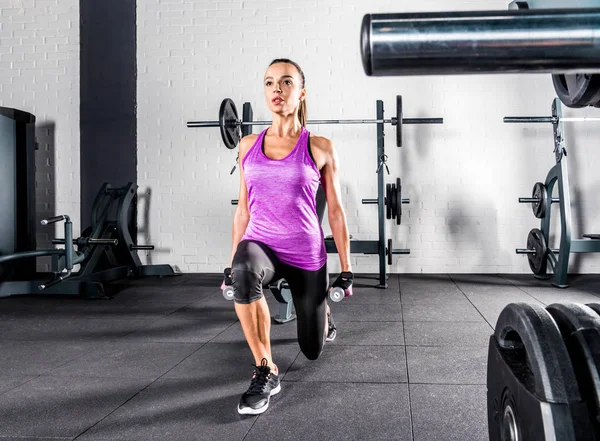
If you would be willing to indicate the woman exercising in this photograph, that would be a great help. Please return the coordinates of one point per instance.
(277, 233)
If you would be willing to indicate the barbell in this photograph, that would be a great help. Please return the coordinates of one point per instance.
(230, 123)
(559, 41)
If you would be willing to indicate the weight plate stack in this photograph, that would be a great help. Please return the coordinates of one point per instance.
(580, 329)
(532, 388)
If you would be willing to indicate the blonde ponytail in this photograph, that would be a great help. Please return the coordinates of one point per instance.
(302, 113)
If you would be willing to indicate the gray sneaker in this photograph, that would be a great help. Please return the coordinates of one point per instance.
(264, 384)
(331, 331)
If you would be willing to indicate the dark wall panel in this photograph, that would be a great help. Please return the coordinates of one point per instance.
(108, 97)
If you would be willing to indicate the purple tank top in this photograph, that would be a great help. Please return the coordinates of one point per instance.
(282, 204)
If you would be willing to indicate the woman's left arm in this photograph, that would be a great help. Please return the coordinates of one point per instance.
(335, 210)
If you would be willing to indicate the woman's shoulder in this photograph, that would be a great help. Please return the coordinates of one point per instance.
(247, 141)
(321, 142)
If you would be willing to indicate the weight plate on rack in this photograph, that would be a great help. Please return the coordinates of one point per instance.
(538, 262)
(388, 201)
(398, 201)
(228, 123)
(541, 194)
(399, 120)
(577, 90)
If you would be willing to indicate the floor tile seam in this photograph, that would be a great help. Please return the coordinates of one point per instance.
(474, 346)
(101, 342)
(343, 345)
(139, 392)
(442, 321)
(407, 370)
(150, 378)
(29, 438)
(85, 353)
(115, 409)
(362, 345)
(367, 321)
(472, 304)
(445, 384)
(34, 377)
(284, 380)
(224, 330)
(523, 290)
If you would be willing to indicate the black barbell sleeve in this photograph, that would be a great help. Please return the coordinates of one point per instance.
(476, 42)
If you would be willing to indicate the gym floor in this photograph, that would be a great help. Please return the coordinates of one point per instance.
(165, 359)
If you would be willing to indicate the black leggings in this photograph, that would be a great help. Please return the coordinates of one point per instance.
(255, 265)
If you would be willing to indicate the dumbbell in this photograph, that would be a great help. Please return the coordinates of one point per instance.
(227, 291)
(337, 294)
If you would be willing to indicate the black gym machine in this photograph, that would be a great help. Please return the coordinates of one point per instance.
(105, 252)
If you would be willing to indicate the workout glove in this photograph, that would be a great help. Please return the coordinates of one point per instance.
(346, 284)
(227, 280)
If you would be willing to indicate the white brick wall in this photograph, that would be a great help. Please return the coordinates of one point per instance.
(39, 73)
(463, 178)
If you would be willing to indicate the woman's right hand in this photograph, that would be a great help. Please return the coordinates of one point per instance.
(227, 280)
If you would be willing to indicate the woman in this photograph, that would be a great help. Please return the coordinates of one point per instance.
(277, 233)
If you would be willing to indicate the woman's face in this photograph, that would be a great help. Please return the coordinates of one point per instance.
(283, 88)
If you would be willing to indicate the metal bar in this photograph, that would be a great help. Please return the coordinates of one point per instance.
(529, 251)
(356, 246)
(529, 119)
(422, 120)
(548, 119)
(585, 245)
(325, 121)
(476, 42)
(560, 174)
(381, 198)
(581, 119)
(369, 201)
(401, 251)
(203, 124)
(30, 254)
(534, 200)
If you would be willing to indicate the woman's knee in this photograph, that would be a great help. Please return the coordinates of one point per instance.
(247, 285)
(248, 272)
(311, 349)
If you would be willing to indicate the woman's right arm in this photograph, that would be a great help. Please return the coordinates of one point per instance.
(241, 216)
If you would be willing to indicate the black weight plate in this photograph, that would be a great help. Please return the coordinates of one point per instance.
(388, 201)
(576, 90)
(529, 377)
(398, 201)
(389, 251)
(531, 327)
(541, 193)
(399, 120)
(595, 307)
(538, 262)
(394, 201)
(580, 329)
(228, 123)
